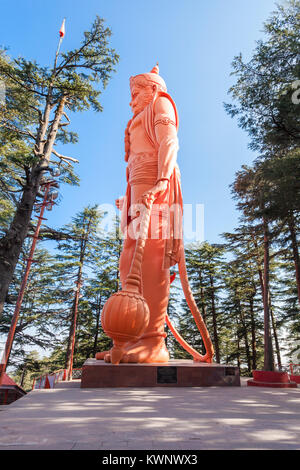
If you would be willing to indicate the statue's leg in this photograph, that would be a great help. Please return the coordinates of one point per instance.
(156, 282)
(151, 346)
(124, 265)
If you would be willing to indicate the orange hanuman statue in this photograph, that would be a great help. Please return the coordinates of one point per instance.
(151, 147)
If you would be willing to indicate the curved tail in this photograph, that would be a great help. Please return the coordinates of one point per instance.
(197, 317)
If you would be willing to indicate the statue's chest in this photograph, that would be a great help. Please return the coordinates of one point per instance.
(139, 140)
(136, 128)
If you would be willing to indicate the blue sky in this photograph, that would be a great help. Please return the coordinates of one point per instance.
(194, 42)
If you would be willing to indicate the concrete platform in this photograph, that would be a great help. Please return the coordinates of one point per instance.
(103, 419)
(176, 373)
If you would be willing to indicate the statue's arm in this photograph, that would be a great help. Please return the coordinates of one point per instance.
(120, 201)
(166, 137)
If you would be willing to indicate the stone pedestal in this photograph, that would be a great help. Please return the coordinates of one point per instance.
(175, 373)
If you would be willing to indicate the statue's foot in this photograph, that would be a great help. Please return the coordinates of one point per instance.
(145, 350)
(101, 355)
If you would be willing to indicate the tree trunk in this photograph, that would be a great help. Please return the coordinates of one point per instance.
(258, 264)
(203, 303)
(98, 316)
(291, 224)
(23, 376)
(214, 315)
(72, 332)
(11, 243)
(268, 353)
(274, 327)
(242, 319)
(70, 337)
(238, 356)
(253, 334)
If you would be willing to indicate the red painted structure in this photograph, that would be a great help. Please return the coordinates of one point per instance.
(264, 378)
(293, 376)
(49, 380)
(10, 391)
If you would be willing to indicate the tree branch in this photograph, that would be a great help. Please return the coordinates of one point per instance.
(18, 131)
(64, 158)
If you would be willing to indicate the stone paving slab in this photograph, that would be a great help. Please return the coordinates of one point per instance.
(199, 418)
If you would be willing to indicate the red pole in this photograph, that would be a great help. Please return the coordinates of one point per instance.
(74, 330)
(15, 317)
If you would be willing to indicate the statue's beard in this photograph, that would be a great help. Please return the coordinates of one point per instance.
(142, 103)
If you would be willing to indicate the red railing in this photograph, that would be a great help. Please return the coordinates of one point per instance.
(292, 366)
(295, 373)
(49, 380)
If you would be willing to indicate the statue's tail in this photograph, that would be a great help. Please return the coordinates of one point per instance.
(197, 317)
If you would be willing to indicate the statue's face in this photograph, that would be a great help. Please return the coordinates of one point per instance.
(140, 97)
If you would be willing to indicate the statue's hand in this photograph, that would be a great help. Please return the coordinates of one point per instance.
(120, 202)
(158, 189)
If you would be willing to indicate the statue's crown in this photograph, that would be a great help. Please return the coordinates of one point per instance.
(152, 77)
(155, 69)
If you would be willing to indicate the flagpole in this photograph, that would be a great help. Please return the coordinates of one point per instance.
(61, 36)
(57, 52)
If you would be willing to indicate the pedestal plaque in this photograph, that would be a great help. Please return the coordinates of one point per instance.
(167, 375)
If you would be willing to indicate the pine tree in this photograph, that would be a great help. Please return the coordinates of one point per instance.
(35, 326)
(204, 263)
(245, 250)
(98, 288)
(240, 307)
(75, 257)
(267, 88)
(31, 366)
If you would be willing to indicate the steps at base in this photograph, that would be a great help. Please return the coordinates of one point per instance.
(254, 383)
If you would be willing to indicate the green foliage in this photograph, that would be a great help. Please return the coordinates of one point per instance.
(38, 307)
(85, 66)
(266, 86)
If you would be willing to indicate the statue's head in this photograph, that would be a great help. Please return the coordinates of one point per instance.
(143, 88)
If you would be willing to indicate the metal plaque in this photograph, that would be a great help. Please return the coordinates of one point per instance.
(229, 371)
(167, 375)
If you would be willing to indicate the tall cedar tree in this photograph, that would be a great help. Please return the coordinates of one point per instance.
(34, 119)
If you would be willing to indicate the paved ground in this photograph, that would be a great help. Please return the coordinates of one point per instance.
(165, 418)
